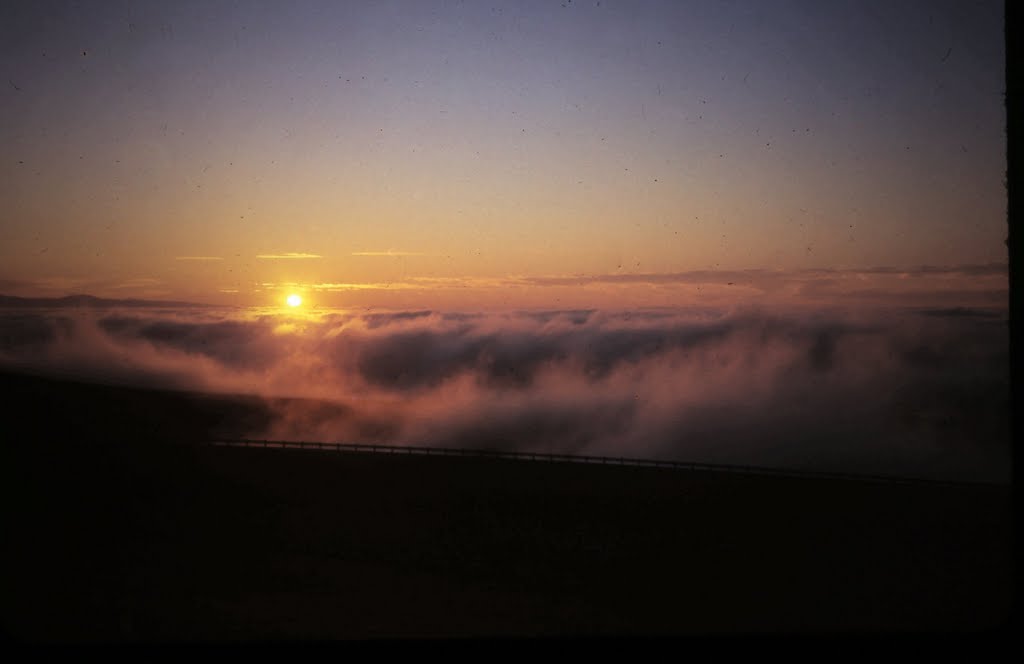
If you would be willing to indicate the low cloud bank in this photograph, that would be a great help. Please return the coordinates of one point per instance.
(921, 393)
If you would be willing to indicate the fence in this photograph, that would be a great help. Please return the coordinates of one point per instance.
(371, 448)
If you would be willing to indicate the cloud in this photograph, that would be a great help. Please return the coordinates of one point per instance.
(389, 252)
(291, 255)
(334, 287)
(984, 269)
(771, 279)
(927, 286)
(914, 392)
(198, 258)
(139, 282)
(960, 312)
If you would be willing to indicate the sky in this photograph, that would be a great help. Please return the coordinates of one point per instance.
(478, 155)
(766, 233)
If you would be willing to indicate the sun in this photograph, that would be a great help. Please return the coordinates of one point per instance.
(294, 300)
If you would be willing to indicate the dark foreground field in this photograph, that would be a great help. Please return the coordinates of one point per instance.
(114, 532)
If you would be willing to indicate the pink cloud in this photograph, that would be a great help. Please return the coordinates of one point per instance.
(912, 391)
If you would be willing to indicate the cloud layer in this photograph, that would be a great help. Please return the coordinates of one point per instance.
(921, 392)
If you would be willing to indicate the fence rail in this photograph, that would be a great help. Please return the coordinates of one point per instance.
(373, 448)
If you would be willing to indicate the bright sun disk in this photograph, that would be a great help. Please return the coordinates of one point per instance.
(294, 300)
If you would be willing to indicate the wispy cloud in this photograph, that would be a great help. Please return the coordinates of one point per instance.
(389, 252)
(764, 277)
(419, 283)
(288, 255)
(338, 287)
(962, 285)
(140, 282)
(888, 282)
(198, 258)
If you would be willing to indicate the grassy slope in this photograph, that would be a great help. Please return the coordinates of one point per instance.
(112, 534)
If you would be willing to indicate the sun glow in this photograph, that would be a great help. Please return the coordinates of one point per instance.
(294, 300)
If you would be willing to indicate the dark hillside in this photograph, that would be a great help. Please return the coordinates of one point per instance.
(115, 530)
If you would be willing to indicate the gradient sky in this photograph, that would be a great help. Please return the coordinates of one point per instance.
(474, 153)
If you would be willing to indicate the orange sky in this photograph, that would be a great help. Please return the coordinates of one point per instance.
(434, 155)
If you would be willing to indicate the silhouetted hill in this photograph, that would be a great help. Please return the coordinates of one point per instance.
(116, 529)
(83, 301)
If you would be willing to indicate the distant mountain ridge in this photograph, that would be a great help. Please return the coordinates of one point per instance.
(91, 301)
